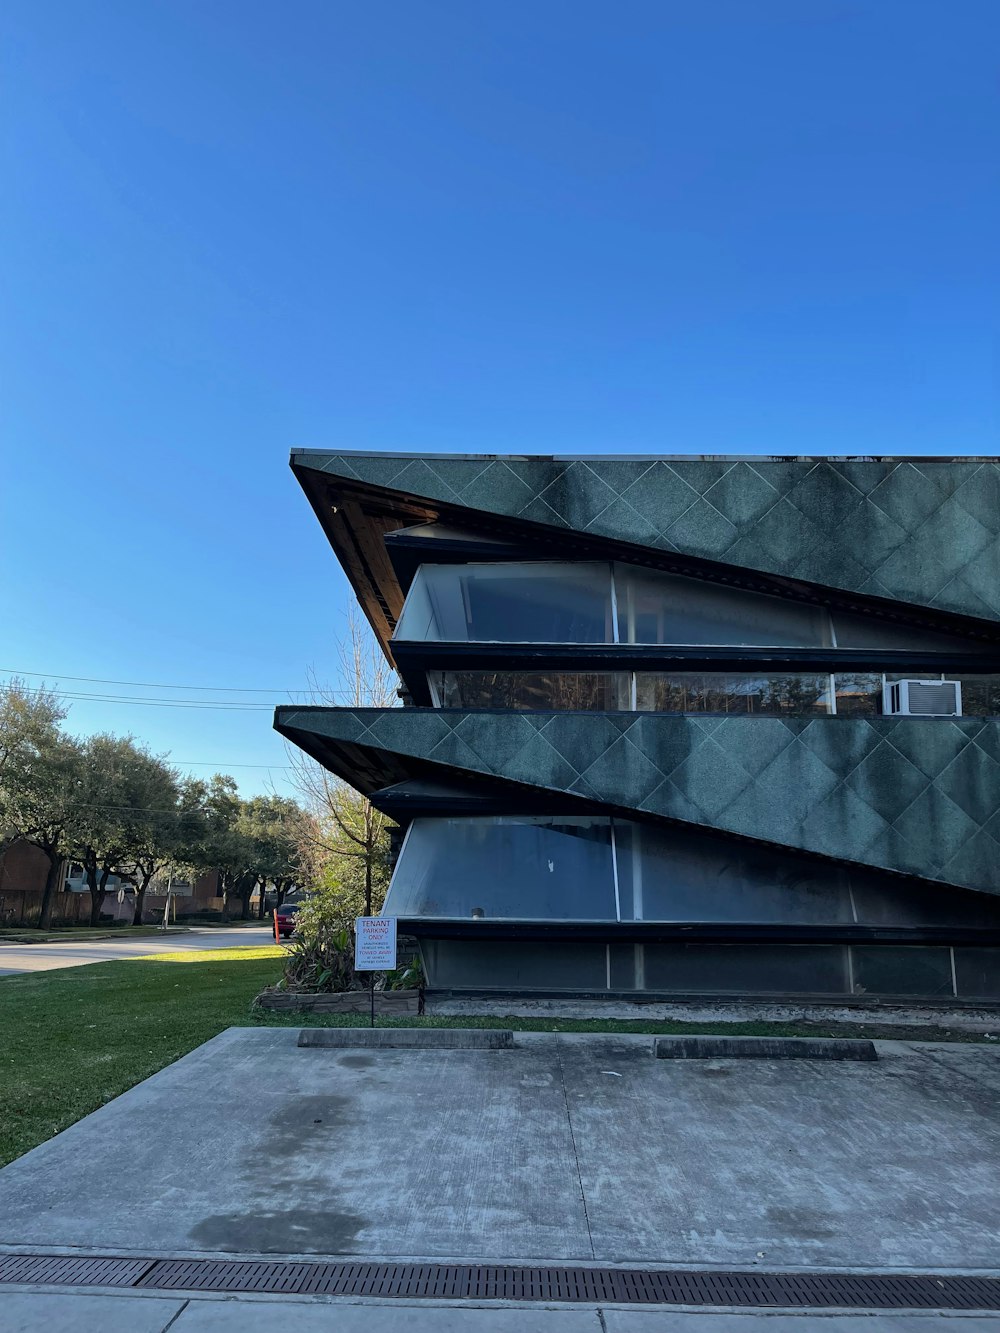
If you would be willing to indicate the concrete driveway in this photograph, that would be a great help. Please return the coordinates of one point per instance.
(16, 958)
(565, 1148)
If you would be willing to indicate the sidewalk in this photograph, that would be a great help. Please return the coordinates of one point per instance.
(62, 1312)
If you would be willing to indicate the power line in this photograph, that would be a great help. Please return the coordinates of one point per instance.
(223, 705)
(151, 685)
(208, 763)
(219, 705)
(148, 685)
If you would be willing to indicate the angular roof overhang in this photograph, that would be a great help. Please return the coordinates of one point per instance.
(916, 541)
(870, 792)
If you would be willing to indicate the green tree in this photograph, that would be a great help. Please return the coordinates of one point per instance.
(172, 824)
(251, 843)
(125, 807)
(276, 826)
(40, 777)
(221, 845)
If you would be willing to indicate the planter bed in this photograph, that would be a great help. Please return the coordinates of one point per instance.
(341, 1002)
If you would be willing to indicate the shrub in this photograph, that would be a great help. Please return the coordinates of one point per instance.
(322, 959)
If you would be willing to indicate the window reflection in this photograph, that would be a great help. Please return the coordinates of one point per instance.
(571, 691)
(793, 694)
(505, 868)
(534, 602)
(599, 602)
(796, 694)
(654, 607)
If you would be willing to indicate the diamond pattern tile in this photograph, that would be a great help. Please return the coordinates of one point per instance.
(702, 530)
(920, 796)
(924, 531)
(623, 774)
(826, 497)
(660, 496)
(886, 780)
(712, 778)
(742, 494)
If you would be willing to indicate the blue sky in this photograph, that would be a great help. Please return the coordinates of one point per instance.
(233, 227)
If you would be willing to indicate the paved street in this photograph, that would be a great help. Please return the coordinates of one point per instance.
(43, 957)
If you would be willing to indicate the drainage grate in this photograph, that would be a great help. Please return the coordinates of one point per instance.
(58, 1270)
(621, 1286)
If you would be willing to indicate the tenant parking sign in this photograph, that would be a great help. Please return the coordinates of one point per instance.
(375, 944)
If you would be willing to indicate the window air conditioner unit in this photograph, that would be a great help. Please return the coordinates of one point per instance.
(922, 698)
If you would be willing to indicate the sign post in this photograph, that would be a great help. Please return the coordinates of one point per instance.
(374, 948)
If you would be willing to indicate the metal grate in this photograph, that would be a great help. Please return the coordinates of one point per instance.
(73, 1271)
(620, 1286)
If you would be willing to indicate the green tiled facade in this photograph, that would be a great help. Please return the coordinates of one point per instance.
(915, 530)
(865, 791)
(770, 846)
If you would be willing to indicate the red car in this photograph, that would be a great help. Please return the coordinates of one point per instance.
(286, 919)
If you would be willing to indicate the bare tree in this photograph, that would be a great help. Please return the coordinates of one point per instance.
(349, 836)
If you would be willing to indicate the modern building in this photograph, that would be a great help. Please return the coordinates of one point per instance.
(680, 726)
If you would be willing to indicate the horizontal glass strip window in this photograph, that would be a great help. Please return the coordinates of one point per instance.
(553, 602)
(542, 691)
(598, 869)
(860, 694)
(794, 694)
(658, 608)
(790, 694)
(533, 602)
(741, 969)
(506, 868)
(602, 602)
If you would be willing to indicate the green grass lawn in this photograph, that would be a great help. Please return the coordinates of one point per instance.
(76, 1037)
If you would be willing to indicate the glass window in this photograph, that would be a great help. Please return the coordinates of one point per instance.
(506, 868)
(880, 901)
(904, 970)
(654, 607)
(980, 695)
(796, 694)
(534, 602)
(560, 602)
(530, 965)
(578, 691)
(977, 972)
(764, 969)
(677, 875)
(567, 868)
(859, 693)
(855, 631)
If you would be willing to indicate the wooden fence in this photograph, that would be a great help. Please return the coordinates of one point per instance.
(23, 907)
